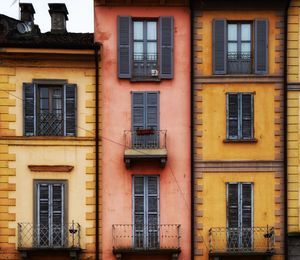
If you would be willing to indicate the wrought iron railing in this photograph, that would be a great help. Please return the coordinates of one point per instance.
(146, 237)
(145, 139)
(145, 65)
(50, 124)
(239, 62)
(44, 236)
(242, 240)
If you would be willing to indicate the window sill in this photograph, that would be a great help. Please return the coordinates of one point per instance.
(253, 140)
(145, 79)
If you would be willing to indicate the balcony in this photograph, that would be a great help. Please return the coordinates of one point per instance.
(145, 67)
(33, 238)
(239, 63)
(241, 241)
(145, 144)
(50, 124)
(146, 239)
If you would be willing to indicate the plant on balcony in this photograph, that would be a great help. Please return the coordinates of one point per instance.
(145, 131)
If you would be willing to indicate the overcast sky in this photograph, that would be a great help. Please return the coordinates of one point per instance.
(81, 14)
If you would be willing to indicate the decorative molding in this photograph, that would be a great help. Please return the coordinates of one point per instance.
(214, 79)
(50, 168)
(295, 86)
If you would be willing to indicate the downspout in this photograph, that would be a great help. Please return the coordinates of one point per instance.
(285, 156)
(96, 56)
(192, 132)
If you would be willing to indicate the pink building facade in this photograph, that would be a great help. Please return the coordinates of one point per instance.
(145, 84)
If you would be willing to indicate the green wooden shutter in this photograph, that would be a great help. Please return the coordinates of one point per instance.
(166, 47)
(29, 108)
(219, 46)
(247, 116)
(232, 116)
(261, 37)
(124, 46)
(70, 109)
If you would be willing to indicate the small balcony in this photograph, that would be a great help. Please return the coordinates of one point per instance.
(239, 63)
(145, 144)
(146, 239)
(145, 67)
(241, 241)
(33, 238)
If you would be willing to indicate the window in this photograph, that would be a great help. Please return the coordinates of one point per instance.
(145, 48)
(240, 116)
(49, 109)
(240, 47)
(239, 215)
(146, 211)
(50, 214)
(145, 120)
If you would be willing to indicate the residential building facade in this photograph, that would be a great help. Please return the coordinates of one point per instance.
(146, 139)
(47, 139)
(238, 129)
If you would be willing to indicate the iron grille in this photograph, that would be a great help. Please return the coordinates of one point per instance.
(239, 62)
(145, 65)
(145, 139)
(241, 240)
(50, 124)
(44, 236)
(146, 237)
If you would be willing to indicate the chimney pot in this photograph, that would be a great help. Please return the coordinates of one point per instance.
(59, 16)
(27, 12)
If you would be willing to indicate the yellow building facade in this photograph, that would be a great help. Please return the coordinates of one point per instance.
(238, 124)
(47, 143)
(293, 129)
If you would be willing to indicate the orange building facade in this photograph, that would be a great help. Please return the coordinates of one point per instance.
(146, 134)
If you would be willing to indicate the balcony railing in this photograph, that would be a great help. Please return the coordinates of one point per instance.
(50, 124)
(239, 62)
(145, 65)
(145, 139)
(31, 236)
(128, 237)
(241, 240)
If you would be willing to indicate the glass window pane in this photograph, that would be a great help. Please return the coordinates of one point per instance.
(44, 104)
(138, 51)
(151, 31)
(246, 32)
(138, 30)
(57, 104)
(246, 47)
(232, 47)
(44, 92)
(232, 32)
(151, 50)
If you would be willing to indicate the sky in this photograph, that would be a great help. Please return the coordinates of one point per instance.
(81, 14)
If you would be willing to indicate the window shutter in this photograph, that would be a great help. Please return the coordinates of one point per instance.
(261, 46)
(70, 110)
(232, 116)
(152, 200)
(247, 116)
(124, 46)
(43, 205)
(166, 47)
(29, 107)
(246, 205)
(219, 46)
(138, 110)
(232, 205)
(152, 110)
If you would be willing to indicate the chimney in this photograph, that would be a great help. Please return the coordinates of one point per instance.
(27, 12)
(59, 16)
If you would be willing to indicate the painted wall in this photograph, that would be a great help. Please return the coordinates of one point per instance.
(174, 117)
(17, 151)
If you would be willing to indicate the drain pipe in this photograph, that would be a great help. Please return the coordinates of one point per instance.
(191, 3)
(285, 155)
(96, 56)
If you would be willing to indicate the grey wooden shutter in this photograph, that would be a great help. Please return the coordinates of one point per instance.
(70, 109)
(261, 36)
(57, 214)
(232, 116)
(232, 205)
(29, 108)
(124, 46)
(247, 116)
(138, 110)
(246, 205)
(43, 215)
(152, 100)
(166, 24)
(219, 46)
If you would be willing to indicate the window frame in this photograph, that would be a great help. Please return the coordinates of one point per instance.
(239, 136)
